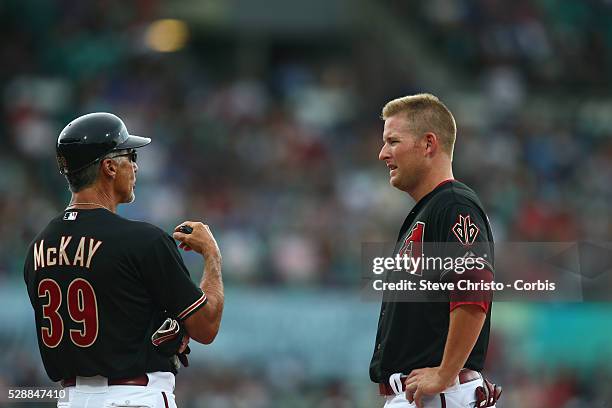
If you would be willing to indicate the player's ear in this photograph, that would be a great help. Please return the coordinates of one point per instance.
(431, 143)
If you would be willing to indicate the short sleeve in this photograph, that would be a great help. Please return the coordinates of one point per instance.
(168, 279)
(466, 245)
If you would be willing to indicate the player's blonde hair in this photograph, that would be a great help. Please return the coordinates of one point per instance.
(426, 113)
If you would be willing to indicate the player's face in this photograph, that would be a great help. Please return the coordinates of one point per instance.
(126, 178)
(403, 153)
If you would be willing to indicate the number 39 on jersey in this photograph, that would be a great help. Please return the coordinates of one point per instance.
(82, 307)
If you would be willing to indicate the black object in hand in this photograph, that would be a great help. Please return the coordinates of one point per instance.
(185, 229)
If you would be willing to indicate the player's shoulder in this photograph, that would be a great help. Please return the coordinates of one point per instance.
(455, 194)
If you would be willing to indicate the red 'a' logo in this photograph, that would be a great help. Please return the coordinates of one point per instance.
(413, 245)
(465, 230)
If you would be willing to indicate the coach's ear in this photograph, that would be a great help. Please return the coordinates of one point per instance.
(109, 168)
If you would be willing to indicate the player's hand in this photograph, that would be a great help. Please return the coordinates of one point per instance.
(425, 381)
(200, 240)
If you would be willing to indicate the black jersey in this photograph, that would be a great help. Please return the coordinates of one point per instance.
(100, 285)
(413, 334)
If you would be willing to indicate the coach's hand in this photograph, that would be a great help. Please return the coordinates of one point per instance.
(200, 240)
(425, 381)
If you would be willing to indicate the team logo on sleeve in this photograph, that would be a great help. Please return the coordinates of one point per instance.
(465, 230)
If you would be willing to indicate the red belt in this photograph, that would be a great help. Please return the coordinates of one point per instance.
(465, 376)
(141, 380)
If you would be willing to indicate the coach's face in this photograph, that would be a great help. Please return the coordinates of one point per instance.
(404, 154)
(126, 179)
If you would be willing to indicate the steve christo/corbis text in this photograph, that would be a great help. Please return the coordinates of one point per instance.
(462, 285)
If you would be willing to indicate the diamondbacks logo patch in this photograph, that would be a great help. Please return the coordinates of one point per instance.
(413, 245)
(465, 230)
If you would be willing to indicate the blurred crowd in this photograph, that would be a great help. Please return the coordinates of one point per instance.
(555, 44)
(279, 157)
(278, 153)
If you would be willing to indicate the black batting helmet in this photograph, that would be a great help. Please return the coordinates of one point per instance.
(89, 138)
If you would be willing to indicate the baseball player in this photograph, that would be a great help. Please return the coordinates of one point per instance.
(101, 285)
(430, 353)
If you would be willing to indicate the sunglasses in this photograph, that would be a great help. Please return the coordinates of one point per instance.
(132, 155)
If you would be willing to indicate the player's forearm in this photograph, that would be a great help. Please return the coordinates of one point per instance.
(466, 322)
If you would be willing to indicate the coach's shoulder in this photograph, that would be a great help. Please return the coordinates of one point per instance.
(141, 229)
(148, 228)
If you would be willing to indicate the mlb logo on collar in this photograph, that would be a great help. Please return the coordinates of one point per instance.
(70, 215)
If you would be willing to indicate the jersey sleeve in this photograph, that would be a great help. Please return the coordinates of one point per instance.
(29, 279)
(168, 280)
(467, 249)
